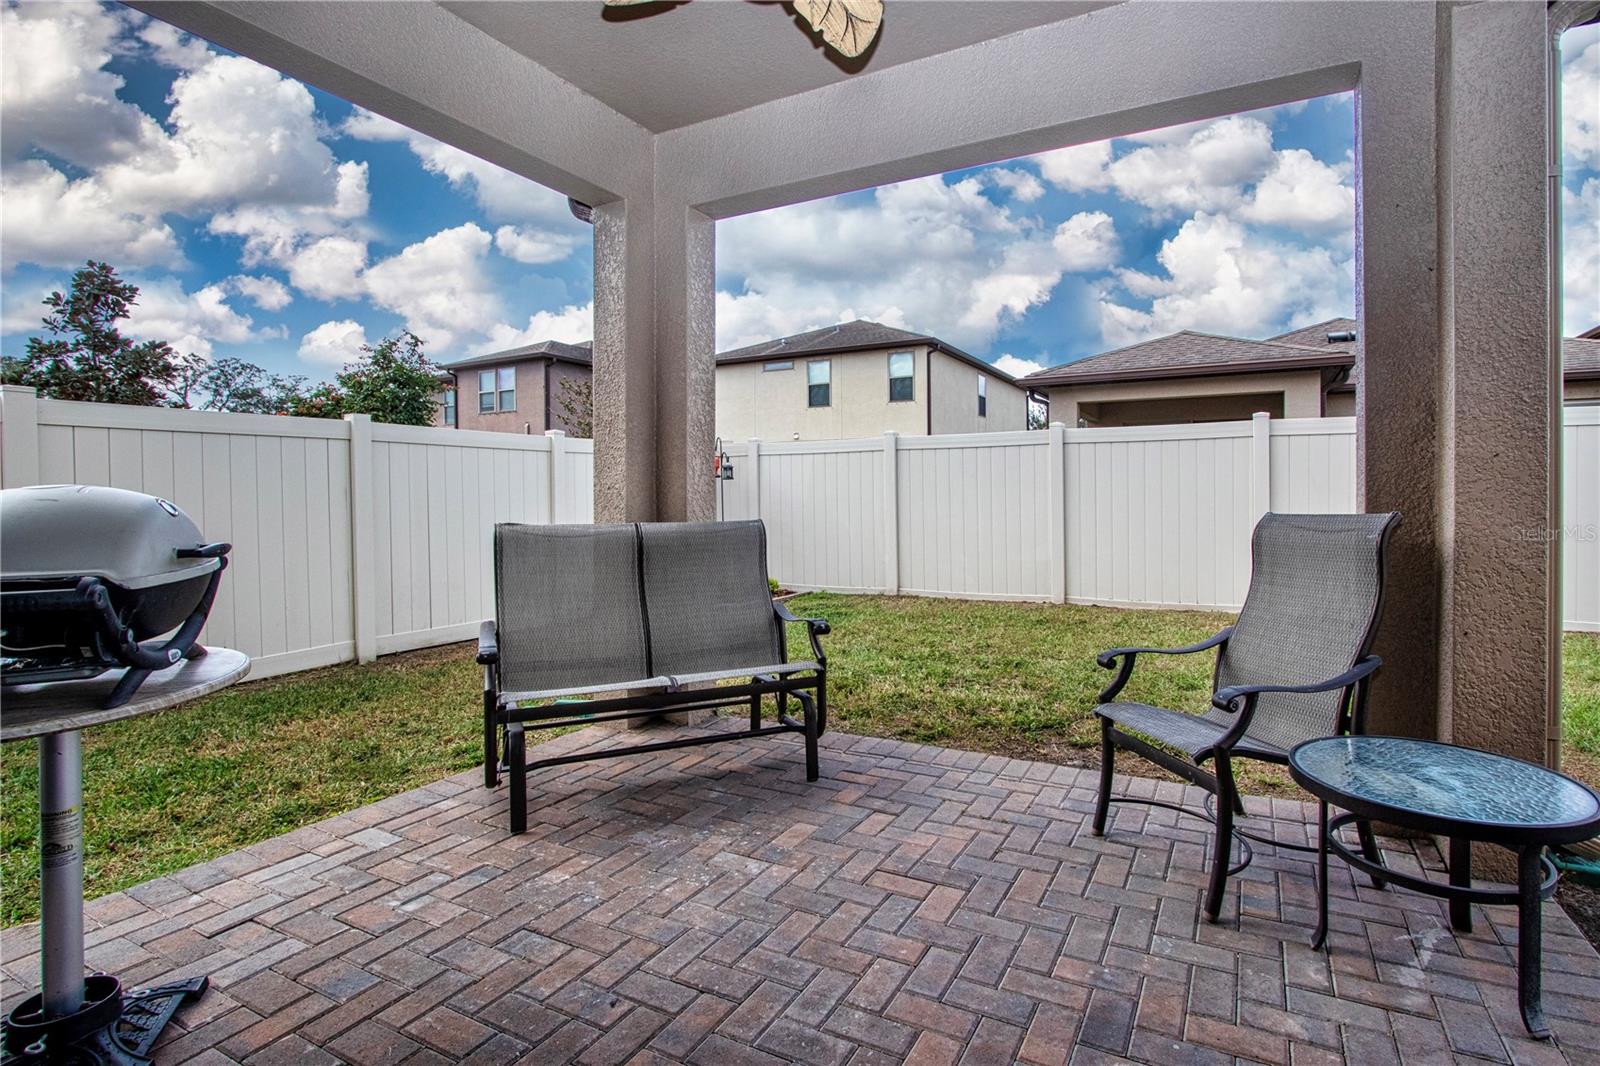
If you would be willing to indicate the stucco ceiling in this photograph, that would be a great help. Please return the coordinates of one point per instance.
(667, 65)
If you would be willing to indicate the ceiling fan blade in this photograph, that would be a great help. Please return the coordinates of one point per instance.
(848, 26)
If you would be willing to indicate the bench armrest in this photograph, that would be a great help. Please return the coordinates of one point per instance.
(1108, 660)
(816, 628)
(488, 643)
(816, 625)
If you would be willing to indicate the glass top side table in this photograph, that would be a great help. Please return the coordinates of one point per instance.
(1461, 793)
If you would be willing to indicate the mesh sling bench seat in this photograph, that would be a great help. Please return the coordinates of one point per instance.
(1296, 665)
(637, 620)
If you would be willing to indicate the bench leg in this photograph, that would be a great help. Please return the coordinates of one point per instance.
(1108, 764)
(1222, 849)
(755, 712)
(517, 767)
(491, 751)
(812, 769)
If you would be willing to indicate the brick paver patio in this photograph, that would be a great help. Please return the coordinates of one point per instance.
(708, 906)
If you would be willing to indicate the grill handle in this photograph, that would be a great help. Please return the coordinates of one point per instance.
(157, 657)
(204, 551)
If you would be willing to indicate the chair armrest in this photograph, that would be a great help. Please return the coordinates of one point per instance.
(1224, 699)
(488, 643)
(1108, 660)
(818, 626)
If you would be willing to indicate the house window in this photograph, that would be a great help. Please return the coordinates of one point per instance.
(819, 378)
(789, 365)
(449, 407)
(901, 388)
(507, 376)
(485, 392)
(983, 396)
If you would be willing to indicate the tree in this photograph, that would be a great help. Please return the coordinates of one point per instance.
(575, 397)
(393, 382)
(89, 358)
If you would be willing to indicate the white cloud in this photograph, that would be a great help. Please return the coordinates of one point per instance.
(190, 322)
(1580, 254)
(438, 285)
(504, 196)
(526, 244)
(1580, 105)
(1304, 193)
(1080, 168)
(171, 47)
(54, 222)
(240, 133)
(1016, 366)
(1020, 183)
(24, 308)
(1087, 241)
(333, 344)
(1219, 165)
(929, 254)
(54, 92)
(241, 144)
(570, 325)
(1205, 172)
(1221, 278)
(328, 268)
(269, 294)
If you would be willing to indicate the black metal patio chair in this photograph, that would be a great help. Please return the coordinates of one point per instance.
(1296, 665)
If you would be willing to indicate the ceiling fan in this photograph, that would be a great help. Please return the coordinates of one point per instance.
(846, 26)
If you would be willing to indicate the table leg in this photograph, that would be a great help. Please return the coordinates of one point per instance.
(1460, 877)
(1529, 978)
(61, 872)
(1321, 936)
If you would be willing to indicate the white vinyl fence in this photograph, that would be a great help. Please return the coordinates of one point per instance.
(350, 538)
(1148, 516)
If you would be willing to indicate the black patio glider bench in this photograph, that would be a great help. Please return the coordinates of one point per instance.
(598, 623)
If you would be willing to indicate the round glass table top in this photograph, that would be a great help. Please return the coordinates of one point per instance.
(1444, 781)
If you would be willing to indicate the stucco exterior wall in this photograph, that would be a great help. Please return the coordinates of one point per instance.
(954, 396)
(1219, 398)
(560, 372)
(1339, 405)
(529, 416)
(772, 404)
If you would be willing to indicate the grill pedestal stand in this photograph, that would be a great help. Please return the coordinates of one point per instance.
(76, 1019)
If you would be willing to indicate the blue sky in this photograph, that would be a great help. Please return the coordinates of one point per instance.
(271, 221)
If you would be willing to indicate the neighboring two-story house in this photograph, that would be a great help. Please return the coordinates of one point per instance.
(1185, 377)
(861, 379)
(519, 390)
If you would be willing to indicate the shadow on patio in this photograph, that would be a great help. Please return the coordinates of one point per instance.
(708, 905)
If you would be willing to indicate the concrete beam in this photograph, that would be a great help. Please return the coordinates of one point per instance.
(427, 69)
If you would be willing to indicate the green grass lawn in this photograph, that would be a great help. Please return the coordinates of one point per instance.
(260, 759)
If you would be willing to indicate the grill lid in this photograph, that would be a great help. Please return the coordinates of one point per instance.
(69, 531)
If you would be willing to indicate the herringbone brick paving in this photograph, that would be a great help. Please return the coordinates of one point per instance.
(708, 906)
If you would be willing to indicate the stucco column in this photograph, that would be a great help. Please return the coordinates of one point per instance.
(1397, 305)
(654, 368)
(685, 334)
(625, 444)
(1497, 419)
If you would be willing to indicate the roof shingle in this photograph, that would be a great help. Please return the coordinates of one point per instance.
(1190, 354)
(856, 336)
(582, 353)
